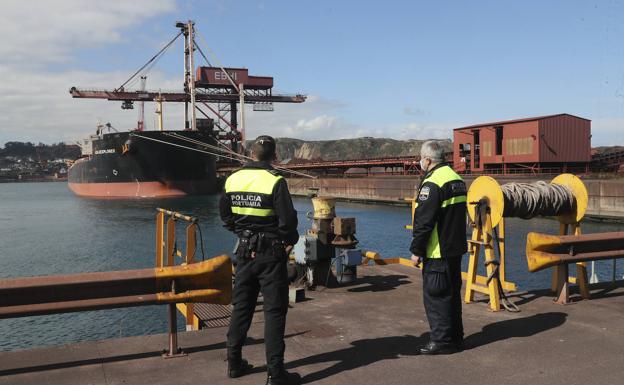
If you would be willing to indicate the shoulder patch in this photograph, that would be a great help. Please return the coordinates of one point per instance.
(458, 187)
(423, 195)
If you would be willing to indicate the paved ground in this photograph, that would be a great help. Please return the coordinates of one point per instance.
(366, 334)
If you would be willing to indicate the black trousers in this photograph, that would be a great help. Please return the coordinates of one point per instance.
(442, 298)
(271, 278)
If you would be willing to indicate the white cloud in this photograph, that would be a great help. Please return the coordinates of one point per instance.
(38, 107)
(317, 118)
(43, 31)
(417, 130)
(34, 101)
(322, 119)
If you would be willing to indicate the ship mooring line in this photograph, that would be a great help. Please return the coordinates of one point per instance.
(184, 147)
(199, 142)
(212, 153)
(227, 150)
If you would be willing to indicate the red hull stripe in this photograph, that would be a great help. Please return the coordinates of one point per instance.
(125, 190)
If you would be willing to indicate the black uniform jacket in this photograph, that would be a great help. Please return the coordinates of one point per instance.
(283, 224)
(441, 209)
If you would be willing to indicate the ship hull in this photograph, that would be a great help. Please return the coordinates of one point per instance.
(140, 165)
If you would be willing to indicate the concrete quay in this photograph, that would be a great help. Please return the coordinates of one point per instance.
(366, 333)
(606, 196)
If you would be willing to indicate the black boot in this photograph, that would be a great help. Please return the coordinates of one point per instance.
(284, 378)
(238, 368)
(433, 348)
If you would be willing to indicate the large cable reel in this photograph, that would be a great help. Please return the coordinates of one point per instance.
(487, 190)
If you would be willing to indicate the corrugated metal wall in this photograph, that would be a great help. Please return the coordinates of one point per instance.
(565, 138)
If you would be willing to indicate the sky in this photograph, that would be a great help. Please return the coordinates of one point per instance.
(396, 69)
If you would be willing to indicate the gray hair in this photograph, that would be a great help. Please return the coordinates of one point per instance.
(433, 150)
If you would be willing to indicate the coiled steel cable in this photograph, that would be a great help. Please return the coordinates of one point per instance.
(529, 200)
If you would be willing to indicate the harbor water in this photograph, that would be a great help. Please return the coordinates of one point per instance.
(46, 230)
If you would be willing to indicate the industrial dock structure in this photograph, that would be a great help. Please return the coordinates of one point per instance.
(367, 333)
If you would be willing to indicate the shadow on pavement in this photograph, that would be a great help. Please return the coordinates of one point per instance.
(365, 352)
(126, 357)
(361, 353)
(514, 328)
(376, 283)
(600, 290)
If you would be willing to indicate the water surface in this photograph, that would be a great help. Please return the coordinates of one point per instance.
(45, 229)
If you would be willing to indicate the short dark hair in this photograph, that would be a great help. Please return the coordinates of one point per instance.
(263, 148)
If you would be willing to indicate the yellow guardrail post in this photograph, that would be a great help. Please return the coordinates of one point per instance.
(170, 240)
(167, 244)
(189, 312)
(160, 227)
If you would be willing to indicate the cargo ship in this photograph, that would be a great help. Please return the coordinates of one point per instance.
(143, 165)
(163, 163)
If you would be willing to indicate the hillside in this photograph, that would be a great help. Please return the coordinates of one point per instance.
(360, 148)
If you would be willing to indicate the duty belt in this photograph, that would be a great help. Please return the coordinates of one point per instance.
(250, 242)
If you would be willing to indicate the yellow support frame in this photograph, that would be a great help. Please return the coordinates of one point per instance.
(482, 238)
(168, 243)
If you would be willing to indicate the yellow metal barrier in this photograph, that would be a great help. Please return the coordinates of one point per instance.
(166, 251)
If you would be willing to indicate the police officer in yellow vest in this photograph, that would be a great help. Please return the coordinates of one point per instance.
(257, 207)
(439, 242)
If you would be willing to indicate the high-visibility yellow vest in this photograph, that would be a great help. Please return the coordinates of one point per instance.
(441, 177)
(250, 191)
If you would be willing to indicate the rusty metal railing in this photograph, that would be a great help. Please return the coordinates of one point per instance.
(209, 281)
(544, 251)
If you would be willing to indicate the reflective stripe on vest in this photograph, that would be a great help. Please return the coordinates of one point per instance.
(440, 177)
(250, 184)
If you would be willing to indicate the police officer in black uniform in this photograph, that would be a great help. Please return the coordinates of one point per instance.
(257, 207)
(439, 241)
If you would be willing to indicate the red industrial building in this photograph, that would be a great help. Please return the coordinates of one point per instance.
(555, 143)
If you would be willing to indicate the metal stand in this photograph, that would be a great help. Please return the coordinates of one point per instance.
(561, 279)
(483, 238)
(174, 349)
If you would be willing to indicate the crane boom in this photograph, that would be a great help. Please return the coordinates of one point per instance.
(150, 96)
